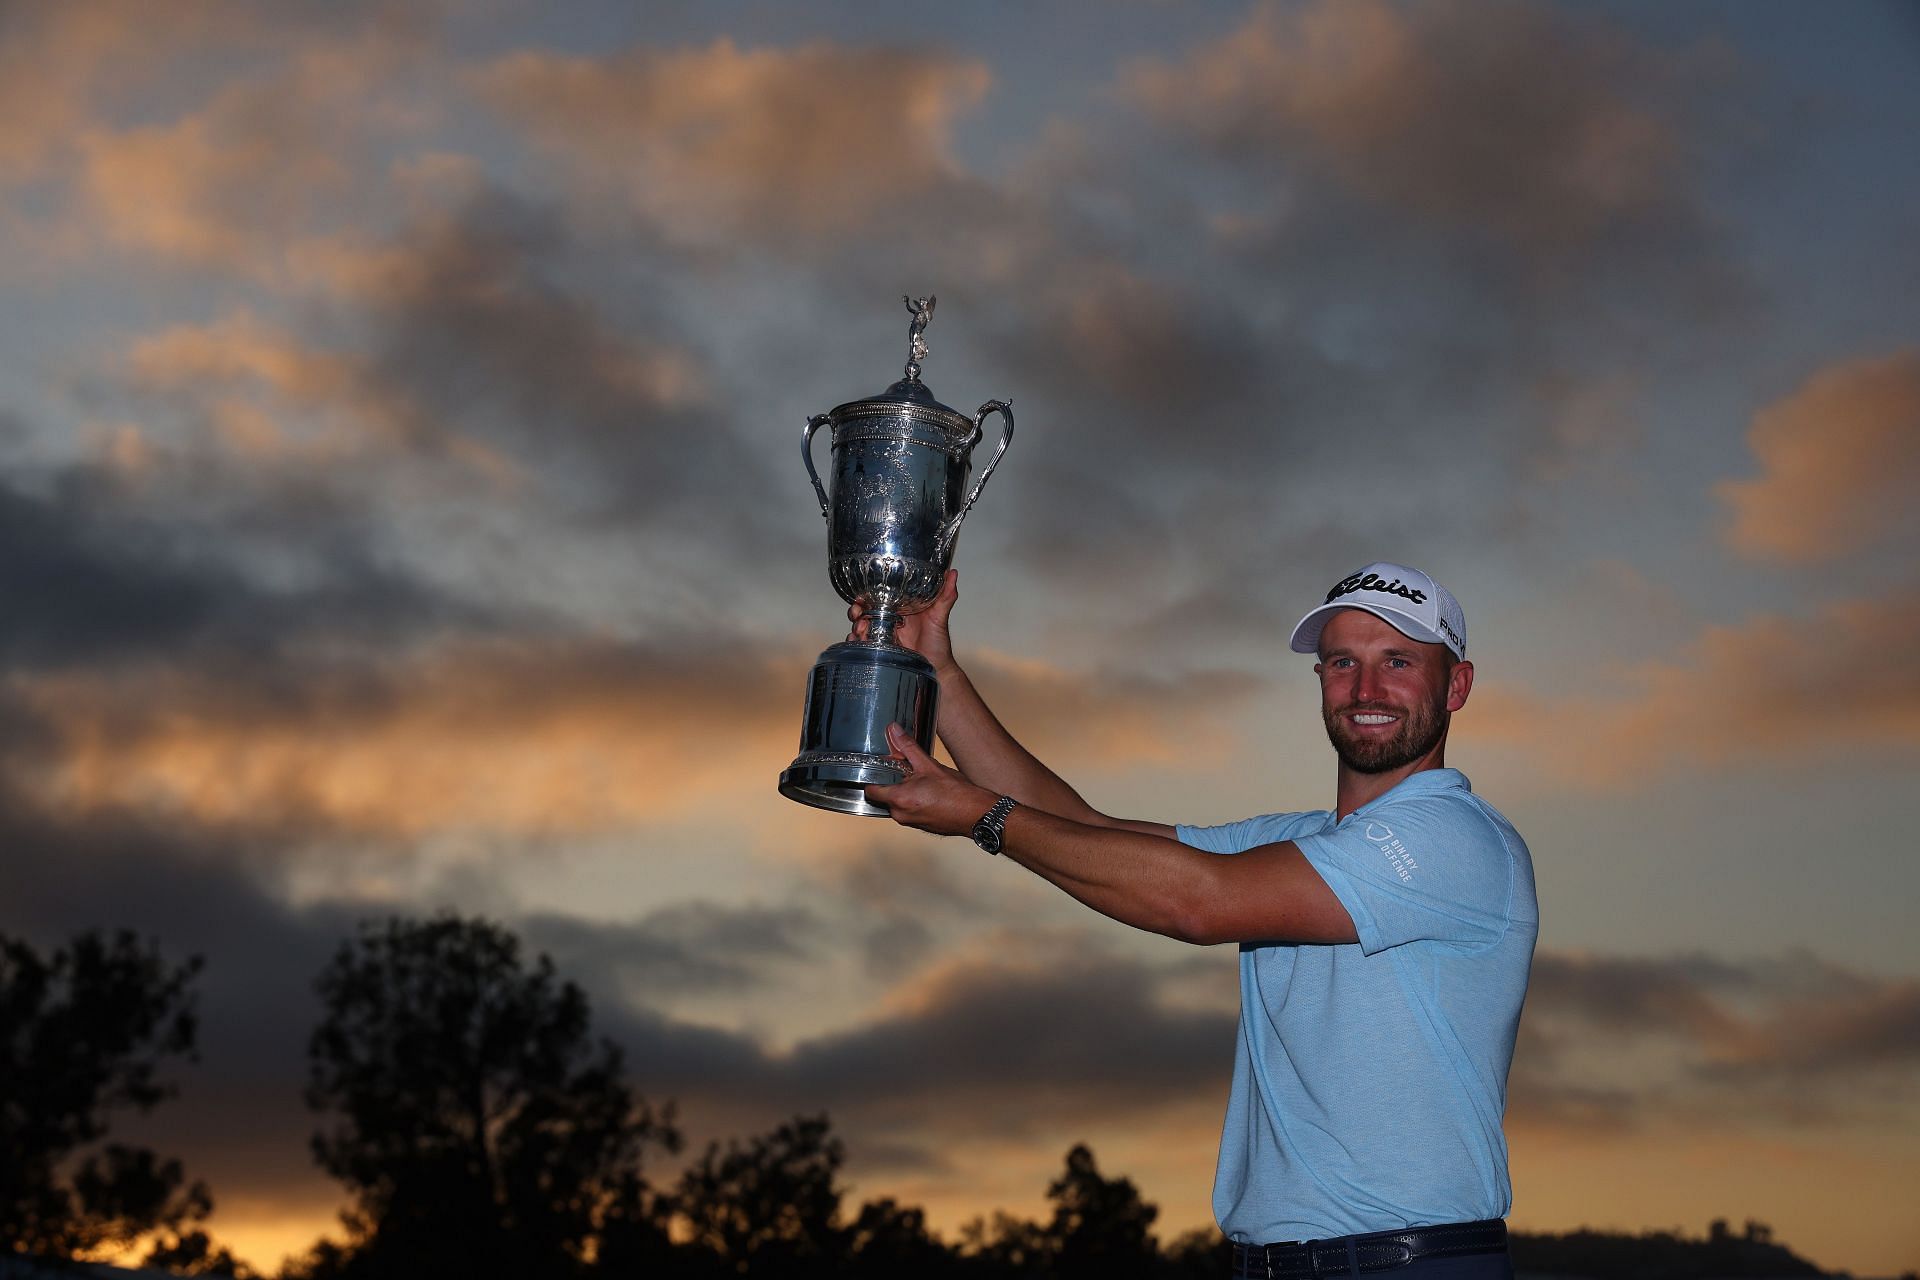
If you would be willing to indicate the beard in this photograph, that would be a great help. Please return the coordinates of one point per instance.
(1417, 732)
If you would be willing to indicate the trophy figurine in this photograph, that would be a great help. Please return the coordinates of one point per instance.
(900, 465)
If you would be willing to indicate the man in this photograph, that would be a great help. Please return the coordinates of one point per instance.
(1384, 944)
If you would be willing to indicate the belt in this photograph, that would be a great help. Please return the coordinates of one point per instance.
(1374, 1251)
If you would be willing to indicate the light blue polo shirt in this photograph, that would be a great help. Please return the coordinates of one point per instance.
(1370, 1078)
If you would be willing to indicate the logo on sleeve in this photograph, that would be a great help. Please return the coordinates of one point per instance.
(1381, 836)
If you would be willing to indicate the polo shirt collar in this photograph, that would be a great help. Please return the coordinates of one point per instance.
(1425, 782)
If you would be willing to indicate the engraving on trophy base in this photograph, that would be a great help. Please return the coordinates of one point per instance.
(857, 689)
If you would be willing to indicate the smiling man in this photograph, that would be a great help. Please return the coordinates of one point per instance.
(1384, 943)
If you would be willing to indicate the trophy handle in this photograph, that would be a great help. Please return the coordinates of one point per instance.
(814, 423)
(1005, 409)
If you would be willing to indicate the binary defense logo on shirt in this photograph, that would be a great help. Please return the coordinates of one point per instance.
(1381, 836)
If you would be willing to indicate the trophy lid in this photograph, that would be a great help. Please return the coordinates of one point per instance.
(910, 397)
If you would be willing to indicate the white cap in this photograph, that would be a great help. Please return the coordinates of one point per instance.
(1406, 599)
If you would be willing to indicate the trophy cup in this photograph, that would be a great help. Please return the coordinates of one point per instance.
(900, 464)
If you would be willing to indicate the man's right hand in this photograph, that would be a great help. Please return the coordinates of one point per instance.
(924, 632)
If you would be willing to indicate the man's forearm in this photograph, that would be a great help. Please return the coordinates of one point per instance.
(994, 759)
(1134, 873)
(1147, 881)
(1267, 894)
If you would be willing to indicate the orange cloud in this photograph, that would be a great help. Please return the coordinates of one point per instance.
(262, 395)
(177, 190)
(529, 736)
(523, 737)
(58, 59)
(46, 71)
(266, 398)
(1840, 464)
(816, 139)
(1110, 719)
(238, 183)
(238, 349)
(1509, 119)
(1765, 687)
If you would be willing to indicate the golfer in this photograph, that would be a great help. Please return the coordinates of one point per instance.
(1384, 942)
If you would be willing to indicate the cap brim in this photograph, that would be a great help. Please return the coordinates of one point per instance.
(1306, 632)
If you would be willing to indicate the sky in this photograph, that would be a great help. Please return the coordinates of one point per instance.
(400, 512)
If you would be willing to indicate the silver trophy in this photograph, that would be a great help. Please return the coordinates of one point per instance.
(900, 465)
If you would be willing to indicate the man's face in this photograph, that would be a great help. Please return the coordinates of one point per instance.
(1386, 698)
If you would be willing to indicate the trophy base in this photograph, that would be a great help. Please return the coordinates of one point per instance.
(857, 689)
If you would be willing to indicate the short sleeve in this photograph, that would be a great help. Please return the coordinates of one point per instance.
(1250, 833)
(1424, 869)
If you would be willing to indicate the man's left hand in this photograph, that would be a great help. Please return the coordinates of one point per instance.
(932, 797)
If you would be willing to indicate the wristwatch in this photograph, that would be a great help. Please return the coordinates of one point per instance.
(990, 833)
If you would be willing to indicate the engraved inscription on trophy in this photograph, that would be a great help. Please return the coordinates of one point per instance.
(893, 501)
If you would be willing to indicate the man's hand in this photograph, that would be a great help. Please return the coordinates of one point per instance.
(924, 632)
(932, 797)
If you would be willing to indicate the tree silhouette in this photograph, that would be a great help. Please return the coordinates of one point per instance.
(1007, 1246)
(891, 1239)
(1101, 1227)
(1200, 1254)
(769, 1207)
(194, 1253)
(772, 1206)
(84, 1033)
(1659, 1255)
(478, 1126)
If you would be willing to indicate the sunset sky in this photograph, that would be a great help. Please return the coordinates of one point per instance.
(400, 511)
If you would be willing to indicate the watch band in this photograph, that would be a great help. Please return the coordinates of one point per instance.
(991, 831)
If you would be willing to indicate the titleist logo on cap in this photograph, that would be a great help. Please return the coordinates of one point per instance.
(1374, 582)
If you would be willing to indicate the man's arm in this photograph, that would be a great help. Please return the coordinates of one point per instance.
(1152, 882)
(978, 742)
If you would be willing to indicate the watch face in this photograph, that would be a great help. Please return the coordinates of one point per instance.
(990, 832)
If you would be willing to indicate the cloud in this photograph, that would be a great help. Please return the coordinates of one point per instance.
(1612, 1042)
(93, 580)
(1758, 689)
(259, 400)
(694, 947)
(1511, 120)
(477, 320)
(1674, 995)
(523, 735)
(46, 70)
(514, 733)
(481, 274)
(813, 140)
(1839, 461)
(1110, 718)
(460, 369)
(221, 189)
(1082, 1030)
(77, 591)
(232, 180)
(1086, 1033)
(59, 61)
(896, 895)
